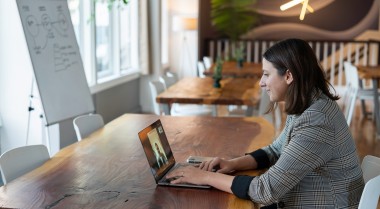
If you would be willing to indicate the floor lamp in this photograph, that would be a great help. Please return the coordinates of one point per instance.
(184, 25)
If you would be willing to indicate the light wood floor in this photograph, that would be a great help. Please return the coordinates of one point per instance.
(364, 132)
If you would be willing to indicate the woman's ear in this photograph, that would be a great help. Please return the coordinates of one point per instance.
(288, 77)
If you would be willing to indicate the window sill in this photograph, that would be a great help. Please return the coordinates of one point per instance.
(108, 83)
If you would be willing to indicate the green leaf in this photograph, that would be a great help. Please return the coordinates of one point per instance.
(233, 17)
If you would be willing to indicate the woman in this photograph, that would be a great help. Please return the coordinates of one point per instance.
(313, 163)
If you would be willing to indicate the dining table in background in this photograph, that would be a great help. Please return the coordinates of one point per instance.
(195, 90)
(109, 169)
(231, 69)
(372, 73)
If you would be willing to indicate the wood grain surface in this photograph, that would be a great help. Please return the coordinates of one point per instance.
(109, 169)
(234, 91)
(231, 69)
(369, 72)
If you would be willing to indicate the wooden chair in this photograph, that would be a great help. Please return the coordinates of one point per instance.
(19, 161)
(85, 125)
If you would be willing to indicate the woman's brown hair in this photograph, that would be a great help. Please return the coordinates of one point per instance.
(298, 57)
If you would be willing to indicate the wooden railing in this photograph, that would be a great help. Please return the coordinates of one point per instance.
(331, 54)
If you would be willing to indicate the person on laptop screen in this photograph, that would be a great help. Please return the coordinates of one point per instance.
(160, 156)
(156, 148)
(313, 163)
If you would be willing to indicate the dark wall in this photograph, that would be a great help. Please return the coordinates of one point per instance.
(338, 20)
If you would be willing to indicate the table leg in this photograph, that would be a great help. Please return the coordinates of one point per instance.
(249, 111)
(165, 108)
(215, 110)
(376, 110)
(364, 111)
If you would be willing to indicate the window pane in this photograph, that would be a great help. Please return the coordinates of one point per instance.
(164, 33)
(125, 37)
(75, 17)
(103, 39)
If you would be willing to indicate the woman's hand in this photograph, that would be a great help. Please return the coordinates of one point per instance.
(189, 174)
(194, 175)
(219, 165)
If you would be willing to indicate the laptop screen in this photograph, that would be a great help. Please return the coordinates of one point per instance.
(157, 149)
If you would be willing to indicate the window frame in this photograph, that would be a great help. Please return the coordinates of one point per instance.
(87, 28)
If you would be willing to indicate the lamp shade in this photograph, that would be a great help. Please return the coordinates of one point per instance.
(181, 23)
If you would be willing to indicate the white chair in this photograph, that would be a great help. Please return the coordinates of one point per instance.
(169, 78)
(370, 167)
(273, 117)
(19, 161)
(201, 69)
(85, 125)
(157, 87)
(370, 195)
(351, 74)
(207, 61)
(352, 88)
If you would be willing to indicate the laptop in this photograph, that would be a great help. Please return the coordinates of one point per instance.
(160, 156)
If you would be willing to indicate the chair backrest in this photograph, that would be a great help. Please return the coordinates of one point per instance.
(370, 167)
(201, 69)
(85, 125)
(207, 61)
(352, 88)
(19, 161)
(370, 195)
(351, 74)
(169, 79)
(273, 117)
(156, 88)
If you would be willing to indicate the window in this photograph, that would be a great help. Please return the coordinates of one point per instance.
(164, 33)
(75, 16)
(128, 38)
(107, 37)
(103, 39)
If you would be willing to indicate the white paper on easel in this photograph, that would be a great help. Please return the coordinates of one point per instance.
(56, 60)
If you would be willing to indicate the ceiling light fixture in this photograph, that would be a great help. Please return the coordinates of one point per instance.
(305, 6)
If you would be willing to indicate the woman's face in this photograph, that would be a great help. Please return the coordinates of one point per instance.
(274, 84)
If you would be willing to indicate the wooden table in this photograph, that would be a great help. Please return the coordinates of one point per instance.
(234, 91)
(109, 169)
(373, 72)
(230, 69)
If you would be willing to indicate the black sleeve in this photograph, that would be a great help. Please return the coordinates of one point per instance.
(261, 158)
(240, 186)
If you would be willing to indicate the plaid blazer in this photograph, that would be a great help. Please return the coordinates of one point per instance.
(314, 163)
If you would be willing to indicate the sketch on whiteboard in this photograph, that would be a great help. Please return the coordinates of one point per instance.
(64, 57)
(45, 30)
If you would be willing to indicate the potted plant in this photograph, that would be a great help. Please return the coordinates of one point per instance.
(233, 18)
(218, 72)
(239, 55)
